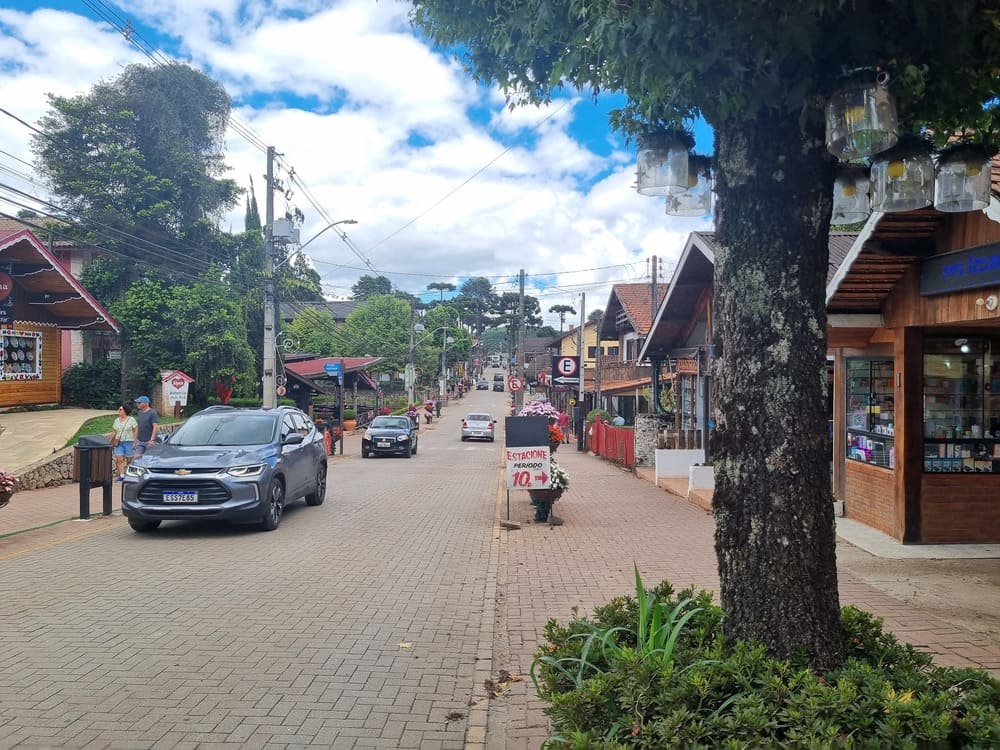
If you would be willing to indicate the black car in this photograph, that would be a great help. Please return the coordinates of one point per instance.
(482, 384)
(497, 385)
(390, 435)
(228, 464)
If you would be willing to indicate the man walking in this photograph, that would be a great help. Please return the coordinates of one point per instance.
(149, 425)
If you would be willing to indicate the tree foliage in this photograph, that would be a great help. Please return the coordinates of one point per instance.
(371, 286)
(759, 73)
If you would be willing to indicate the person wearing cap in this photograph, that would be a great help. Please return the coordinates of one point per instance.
(149, 425)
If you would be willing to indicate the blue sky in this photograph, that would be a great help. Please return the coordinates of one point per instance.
(443, 181)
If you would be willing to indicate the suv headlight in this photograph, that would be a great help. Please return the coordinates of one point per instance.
(136, 471)
(368, 434)
(255, 470)
(402, 438)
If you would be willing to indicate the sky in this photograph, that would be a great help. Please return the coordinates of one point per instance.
(444, 181)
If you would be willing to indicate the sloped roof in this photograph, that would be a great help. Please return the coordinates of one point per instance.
(632, 304)
(339, 309)
(10, 225)
(52, 292)
(309, 368)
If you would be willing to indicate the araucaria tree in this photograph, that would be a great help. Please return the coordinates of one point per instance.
(760, 74)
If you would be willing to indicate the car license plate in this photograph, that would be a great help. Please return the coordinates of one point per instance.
(477, 433)
(383, 443)
(180, 496)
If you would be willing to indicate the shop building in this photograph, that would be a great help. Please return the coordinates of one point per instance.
(914, 335)
(39, 299)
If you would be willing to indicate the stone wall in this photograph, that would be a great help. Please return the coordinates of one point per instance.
(647, 427)
(58, 468)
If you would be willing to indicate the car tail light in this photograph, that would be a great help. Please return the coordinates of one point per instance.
(464, 424)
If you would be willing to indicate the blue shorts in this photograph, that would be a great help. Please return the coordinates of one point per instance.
(124, 448)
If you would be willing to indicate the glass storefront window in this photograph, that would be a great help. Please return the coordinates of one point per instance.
(962, 404)
(871, 424)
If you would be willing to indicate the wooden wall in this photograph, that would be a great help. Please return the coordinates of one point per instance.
(47, 390)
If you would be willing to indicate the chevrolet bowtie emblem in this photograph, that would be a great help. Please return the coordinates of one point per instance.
(182, 472)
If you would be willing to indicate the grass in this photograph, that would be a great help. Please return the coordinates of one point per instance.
(102, 426)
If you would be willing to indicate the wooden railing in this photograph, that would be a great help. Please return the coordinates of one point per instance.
(613, 443)
(613, 370)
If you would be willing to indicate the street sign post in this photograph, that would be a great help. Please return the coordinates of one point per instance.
(515, 384)
(334, 369)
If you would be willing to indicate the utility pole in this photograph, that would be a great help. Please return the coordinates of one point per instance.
(581, 423)
(653, 291)
(519, 398)
(411, 374)
(269, 389)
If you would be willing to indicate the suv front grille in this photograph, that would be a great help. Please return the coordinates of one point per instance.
(209, 491)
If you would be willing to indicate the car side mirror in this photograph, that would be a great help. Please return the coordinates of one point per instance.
(293, 439)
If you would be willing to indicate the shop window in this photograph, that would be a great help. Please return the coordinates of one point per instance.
(962, 404)
(591, 352)
(20, 355)
(871, 424)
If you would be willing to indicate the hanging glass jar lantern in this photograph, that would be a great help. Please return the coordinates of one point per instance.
(697, 199)
(851, 202)
(962, 182)
(663, 162)
(861, 120)
(903, 177)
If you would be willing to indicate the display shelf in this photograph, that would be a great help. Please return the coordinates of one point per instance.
(871, 411)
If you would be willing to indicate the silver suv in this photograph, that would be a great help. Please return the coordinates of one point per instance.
(228, 464)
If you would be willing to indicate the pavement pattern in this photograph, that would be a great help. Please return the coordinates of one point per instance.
(385, 618)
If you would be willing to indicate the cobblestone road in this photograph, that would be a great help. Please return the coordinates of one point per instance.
(359, 623)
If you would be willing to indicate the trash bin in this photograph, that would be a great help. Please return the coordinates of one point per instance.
(92, 464)
(101, 460)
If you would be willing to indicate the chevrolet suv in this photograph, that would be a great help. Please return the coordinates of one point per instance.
(228, 464)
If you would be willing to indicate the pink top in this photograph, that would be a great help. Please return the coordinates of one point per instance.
(563, 419)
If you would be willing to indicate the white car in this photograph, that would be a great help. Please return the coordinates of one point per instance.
(478, 426)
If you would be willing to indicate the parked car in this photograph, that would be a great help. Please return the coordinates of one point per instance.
(390, 435)
(228, 464)
(478, 427)
(482, 384)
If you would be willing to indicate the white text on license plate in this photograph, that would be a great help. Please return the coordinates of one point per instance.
(180, 496)
(383, 444)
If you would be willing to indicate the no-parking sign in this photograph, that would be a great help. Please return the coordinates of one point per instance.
(515, 384)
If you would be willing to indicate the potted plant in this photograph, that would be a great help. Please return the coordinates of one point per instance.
(350, 419)
(555, 436)
(7, 484)
(542, 499)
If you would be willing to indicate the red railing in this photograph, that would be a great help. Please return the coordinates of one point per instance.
(613, 443)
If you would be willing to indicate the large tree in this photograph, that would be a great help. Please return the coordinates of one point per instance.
(759, 73)
(140, 160)
(371, 286)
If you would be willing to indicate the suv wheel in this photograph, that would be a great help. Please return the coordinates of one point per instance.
(408, 451)
(317, 497)
(274, 503)
(143, 527)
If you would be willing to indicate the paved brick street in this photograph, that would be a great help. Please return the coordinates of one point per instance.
(374, 620)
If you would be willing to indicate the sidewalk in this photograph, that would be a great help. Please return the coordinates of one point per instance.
(612, 519)
(30, 436)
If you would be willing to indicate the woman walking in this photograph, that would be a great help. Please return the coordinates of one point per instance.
(123, 438)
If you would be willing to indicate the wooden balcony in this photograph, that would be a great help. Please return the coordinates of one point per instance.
(613, 370)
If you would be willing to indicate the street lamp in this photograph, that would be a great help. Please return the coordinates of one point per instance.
(269, 393)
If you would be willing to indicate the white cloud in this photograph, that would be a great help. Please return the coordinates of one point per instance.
(383, 130)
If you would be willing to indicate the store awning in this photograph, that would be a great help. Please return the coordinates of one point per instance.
(44, 291)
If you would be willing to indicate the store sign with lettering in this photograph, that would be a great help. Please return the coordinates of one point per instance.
(966, 269)
(6, 298)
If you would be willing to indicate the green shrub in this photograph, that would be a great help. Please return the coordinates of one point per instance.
(350, 414)
(593, 413)
(94, 385)
(611, 684)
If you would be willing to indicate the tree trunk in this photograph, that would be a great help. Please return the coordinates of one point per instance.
(775, 533)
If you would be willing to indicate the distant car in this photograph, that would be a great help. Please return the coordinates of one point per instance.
(478, 426)
(482, 384)
(390, 435)
(498, 385)
(228, 464)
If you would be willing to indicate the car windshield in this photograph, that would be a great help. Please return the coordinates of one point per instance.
(478, 418)
(226, 429)
(395, 423)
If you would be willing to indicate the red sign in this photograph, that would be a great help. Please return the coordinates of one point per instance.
(6, 286)
(515, 384)
(543, 378)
